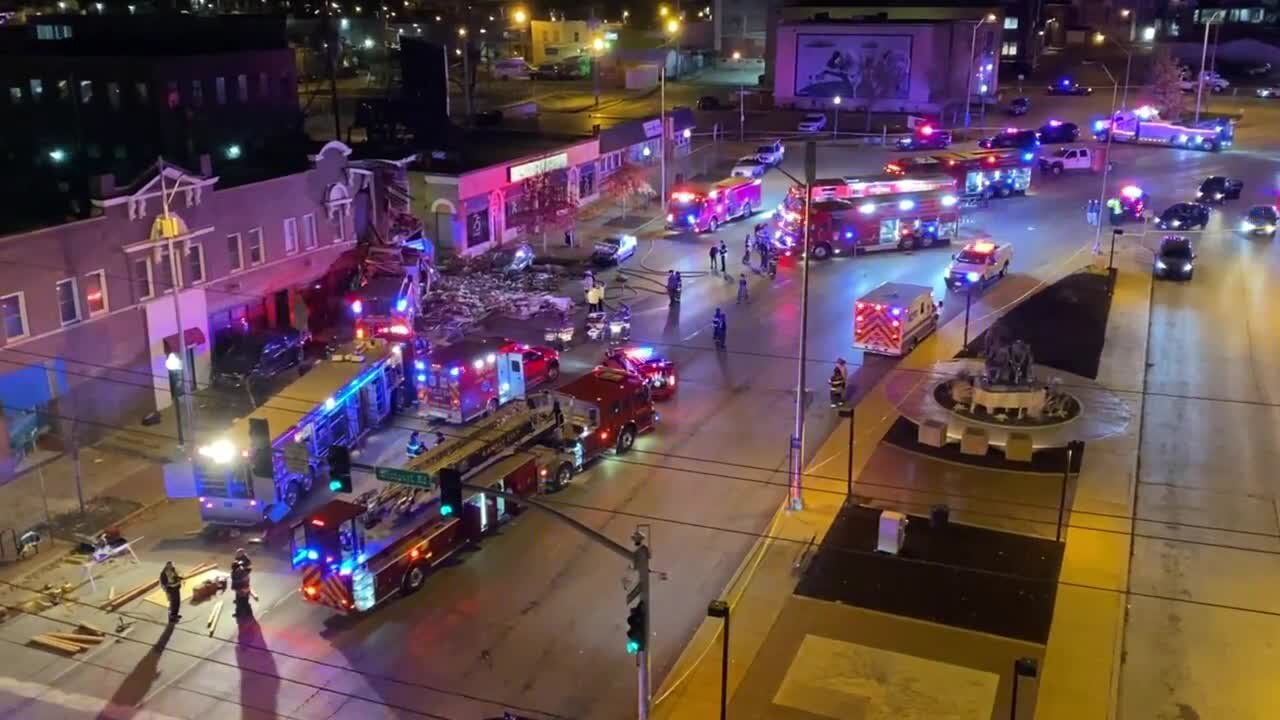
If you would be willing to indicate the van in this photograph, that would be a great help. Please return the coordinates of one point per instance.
(512, 69)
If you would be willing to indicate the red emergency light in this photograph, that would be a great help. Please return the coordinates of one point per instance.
(983, 247)
(991, 160)
(398, 330)
(317, 522)
(310, 590)
(683, 196)
(926, 130)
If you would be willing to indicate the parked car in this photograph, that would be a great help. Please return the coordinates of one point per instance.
(512, 259)
(243, 358)
(710, 102)
(1019, 106)
(1067, 86)
(1258, 72)
(1261, 220)
(512, 69)
(926, 137)
(772, 153)
(1012, 138)
(749, 167)
(614, 249)
(1213, 82)
(1175, 258)
(548, 71)
(1217, 188)
(813, 122)
(1056, 131)
(1184, 216)
(1269, 93)
(1067, 158)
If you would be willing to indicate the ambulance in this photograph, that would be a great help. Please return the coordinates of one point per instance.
(893, 318)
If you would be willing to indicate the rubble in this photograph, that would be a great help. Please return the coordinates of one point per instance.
(469, 291)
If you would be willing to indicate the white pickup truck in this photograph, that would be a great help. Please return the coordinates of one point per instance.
(1067, 158)
(978, 264)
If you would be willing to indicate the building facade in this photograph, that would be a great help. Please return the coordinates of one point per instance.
(88, 309)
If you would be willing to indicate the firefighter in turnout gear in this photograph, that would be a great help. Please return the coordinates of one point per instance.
(241, 567)
(837, 383)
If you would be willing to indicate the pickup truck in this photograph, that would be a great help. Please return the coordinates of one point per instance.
(1213, 82)
(771, 153)
(978, 264)
(1067, 158)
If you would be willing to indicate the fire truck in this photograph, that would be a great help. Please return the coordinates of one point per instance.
(979, 174)
(701, 207)
(351, 564)
(266, 462)
(658, 371)
(459, 382)
(893, 318)
(901, 214)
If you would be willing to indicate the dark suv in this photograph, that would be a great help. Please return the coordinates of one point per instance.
(1012, 138)
(1217, 188)
(1184, 216)
(241, 358)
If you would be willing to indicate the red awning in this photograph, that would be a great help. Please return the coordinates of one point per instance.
(192, 336)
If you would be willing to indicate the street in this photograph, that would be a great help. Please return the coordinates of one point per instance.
(533, 619)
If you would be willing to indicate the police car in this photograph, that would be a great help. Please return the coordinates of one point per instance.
(978, 263)
(613, 250)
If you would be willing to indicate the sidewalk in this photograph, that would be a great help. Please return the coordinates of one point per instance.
(768, 575)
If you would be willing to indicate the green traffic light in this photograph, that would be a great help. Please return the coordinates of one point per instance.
(446, 510)
(335, 485)
(633, 647)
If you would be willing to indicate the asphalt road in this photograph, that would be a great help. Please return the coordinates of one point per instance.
(534, 618)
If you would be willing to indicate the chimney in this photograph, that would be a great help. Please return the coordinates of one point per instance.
(102, 186)
(206, 165)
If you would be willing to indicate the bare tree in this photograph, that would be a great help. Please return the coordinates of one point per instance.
(1166, 86)
(625, 183)
(544, 205)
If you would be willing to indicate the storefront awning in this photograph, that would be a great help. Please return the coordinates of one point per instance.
(193, 336)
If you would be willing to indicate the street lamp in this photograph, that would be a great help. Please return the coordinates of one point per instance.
(673, 27)
(173, 364)
(973, 47)
(1022, 667)
(737, 55)
(835, 129)
(970, 279)
(597, 47)
(662, 11)
(520, 17)
(1106, 158)
(1204, 53)
(720, 609)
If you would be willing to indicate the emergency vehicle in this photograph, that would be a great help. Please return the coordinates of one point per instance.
(900, 214)
(351, 564)
(386, 305)
(1144, 126)
(702, 207)
(337, 402)
(659, 372)
(981, 173)
(893, 318)
(978, 263)
(459, 382)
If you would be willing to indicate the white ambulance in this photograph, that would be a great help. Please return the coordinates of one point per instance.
(894, 318)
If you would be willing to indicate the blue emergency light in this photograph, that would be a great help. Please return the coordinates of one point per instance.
(972, 277)
(402, 304)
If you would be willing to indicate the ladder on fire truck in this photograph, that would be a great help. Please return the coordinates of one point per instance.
(502, 433)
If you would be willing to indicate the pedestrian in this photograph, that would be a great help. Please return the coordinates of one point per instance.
(746, 250)
(723, 252)
(837, 384)
(719, 328)
(241, 566)
(171, 583)
(673, 289)
(588, 281)
(712, 254)
(568, 238)
(415, 446)
(742, 288)
(439, 438)
(556, 413)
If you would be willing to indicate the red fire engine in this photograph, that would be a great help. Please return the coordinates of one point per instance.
(984, 173)
(878, 215)
(465, 380)
(351, 559)
(658, 371)
(702, 207)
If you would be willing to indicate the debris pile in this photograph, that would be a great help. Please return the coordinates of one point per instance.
(468, 292)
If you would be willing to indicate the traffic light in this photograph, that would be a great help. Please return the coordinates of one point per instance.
(339, 458)
(637, 633)
(450, 491)
(260, 448)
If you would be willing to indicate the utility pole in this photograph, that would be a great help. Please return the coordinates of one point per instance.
(329, 43)
(170, 233)
(796, 484)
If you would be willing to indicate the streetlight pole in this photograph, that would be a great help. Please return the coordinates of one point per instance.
(720, 609)
(742, 113)
(973, 50)
(1106, 161)
(847, 412)
(662, 136)
(173, 364)
(796, 483)
(171, 233)
(598, 46)
(1204, 52)
(968, 300)
(835, 129)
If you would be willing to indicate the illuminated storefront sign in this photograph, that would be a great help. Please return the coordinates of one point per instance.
(537, 167)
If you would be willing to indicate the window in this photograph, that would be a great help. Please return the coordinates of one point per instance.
(575, 37)
(174, 97)
(13, 313)
(586, 181)
(113, 95)
(95, 292)
(1010, 22)
(242, 86)
(143, 287)
(1009, 49)
(37, 89)
(68, 301)
(195, 263)
(290, 236)
(220, 90)
(164, 263)
(256, 254)
(197, 93)
(64, 90)
(140, 88)
(86, 92)
(340, 228)
(235, 252)
(308, 231)
(264, 85)
(15, 95)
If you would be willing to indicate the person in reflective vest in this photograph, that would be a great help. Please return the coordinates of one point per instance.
(415, 446)
(837, 383)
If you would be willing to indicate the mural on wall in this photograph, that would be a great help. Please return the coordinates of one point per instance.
(875, 67)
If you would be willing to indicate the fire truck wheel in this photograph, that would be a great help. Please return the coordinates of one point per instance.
(292, 492)
(626, 439)
(746, 209)
(492, 407)
(414, 578)
(821, 251)
(1003, 191)
(1057, 168)
(564, 474)
(1004, 269)
(714, 224)
(553, 372)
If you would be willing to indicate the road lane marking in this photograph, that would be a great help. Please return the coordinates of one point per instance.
(78, 702)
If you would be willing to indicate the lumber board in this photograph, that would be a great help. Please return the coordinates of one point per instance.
(90, 629)
(56, 644)
(76, 637)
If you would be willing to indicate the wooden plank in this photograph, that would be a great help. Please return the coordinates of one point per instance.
(214, 617)
(90, 629)
(197, 570)
(76, 638)
(55, 644)
(131, 595)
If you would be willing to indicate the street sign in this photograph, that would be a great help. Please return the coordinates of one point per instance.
(403, 477)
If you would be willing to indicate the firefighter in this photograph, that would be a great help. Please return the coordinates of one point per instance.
(415, 446)
(241, 566)
(171, 583)
(719, 328)
(772, 262)
(837, 383)
(1116, 210)
(715, 251)
(746, 251)
(724, 252)
(742, 288)
(439, 438)
(673, 287)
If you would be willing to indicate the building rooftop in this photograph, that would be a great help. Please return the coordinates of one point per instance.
(151, 35)
(467, 150)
